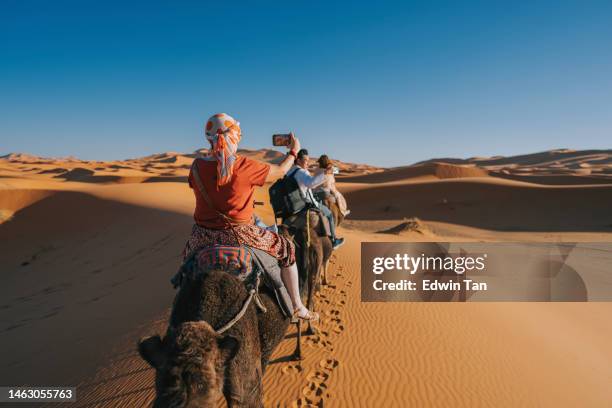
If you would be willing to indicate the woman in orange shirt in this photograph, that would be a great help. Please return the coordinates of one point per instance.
(225, 217)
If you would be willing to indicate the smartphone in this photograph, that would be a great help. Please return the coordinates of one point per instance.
(335, 170)
(281, 139)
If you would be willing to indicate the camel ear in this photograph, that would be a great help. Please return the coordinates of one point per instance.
(151, 350)
(228, 347)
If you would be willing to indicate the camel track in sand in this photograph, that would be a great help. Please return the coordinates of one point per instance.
(316, 372)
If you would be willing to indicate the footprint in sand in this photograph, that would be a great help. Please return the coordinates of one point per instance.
(292, 369)
(313, 341)
(320, 340)
(332, 312)
(328, 289)
(320, 344)
(329, 364)
(315, 391)
(318, 377)
(306, 403)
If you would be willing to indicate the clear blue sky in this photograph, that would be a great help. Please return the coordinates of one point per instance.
(388, 83)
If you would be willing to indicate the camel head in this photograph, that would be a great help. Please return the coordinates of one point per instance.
(189, 364)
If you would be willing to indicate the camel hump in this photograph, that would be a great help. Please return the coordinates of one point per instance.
(213, 296)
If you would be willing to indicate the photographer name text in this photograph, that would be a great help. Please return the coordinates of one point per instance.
(426, 265)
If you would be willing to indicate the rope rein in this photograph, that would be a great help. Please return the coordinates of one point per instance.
(253, 295)
(241, 313)
(308, 228)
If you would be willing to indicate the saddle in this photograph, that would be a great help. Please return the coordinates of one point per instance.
(311, 216)
(250, 265)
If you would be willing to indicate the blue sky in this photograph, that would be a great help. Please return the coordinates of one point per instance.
(387, 83)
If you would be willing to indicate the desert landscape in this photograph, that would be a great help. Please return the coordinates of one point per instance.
(89, 247)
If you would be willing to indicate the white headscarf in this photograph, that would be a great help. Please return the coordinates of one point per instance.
(223, 133)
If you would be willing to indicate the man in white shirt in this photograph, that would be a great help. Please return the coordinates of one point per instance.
(307, 182)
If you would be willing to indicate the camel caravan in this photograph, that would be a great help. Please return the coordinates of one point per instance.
(242, 283)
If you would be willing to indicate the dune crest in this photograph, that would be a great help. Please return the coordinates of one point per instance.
(550, 167)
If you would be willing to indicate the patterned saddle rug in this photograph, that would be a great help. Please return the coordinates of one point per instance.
(236, 260)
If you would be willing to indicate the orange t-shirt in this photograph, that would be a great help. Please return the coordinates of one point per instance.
(235, 199)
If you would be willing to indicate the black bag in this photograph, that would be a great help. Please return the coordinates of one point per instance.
(286, 197)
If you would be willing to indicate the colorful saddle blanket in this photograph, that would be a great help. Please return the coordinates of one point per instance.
(236, 260)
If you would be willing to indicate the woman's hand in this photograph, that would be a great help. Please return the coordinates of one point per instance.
(294, 144)
(279, 171)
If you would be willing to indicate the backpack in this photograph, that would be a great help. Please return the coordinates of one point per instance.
(286, 197)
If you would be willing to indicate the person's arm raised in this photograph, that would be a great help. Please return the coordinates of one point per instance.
(279, 170)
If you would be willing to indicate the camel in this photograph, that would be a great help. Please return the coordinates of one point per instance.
(331, 203)
(312, 257)
(195, 364)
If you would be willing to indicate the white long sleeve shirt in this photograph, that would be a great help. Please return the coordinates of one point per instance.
(307, 182)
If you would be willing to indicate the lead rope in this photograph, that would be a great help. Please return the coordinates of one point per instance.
(241, 313)
(253, 294)
(258, 301)
(307, 228)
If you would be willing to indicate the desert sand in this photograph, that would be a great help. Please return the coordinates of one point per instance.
(88, 249)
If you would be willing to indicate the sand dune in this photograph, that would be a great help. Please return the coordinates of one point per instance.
(428, 171)
(549, 157)
(162, 167)
(488, 203)
(561, 166)
(72, 265)
(88, 249)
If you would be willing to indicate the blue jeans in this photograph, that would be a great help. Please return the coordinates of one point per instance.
(332, 225)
